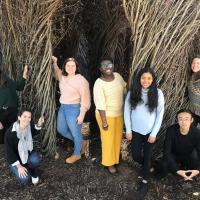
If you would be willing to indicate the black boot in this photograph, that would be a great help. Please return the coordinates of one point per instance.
(142, 190)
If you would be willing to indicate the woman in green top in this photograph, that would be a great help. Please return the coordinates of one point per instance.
(9, 100)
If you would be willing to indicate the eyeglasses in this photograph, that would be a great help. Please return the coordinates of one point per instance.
(184, 120)
(107, 66)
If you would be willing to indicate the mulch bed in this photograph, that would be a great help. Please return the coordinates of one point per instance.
(88, 180)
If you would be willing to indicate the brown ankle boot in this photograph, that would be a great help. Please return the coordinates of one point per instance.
(72, 159)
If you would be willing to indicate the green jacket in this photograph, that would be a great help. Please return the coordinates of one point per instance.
(8, 94)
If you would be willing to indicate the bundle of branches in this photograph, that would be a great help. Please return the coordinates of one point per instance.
(65, 26)
(195, 47)
(64, 20)
(106, 30)
(25, 37)
(162, 35)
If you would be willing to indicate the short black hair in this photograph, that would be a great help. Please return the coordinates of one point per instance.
(106, 58)
(184, 110)
(22, 110)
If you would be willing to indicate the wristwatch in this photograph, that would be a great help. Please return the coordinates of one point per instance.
(105, 126)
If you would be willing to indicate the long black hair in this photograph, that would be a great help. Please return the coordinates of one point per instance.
(136, 90)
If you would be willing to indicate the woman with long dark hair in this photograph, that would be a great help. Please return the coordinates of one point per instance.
(75, 101)
(143, 114)
(9, 100)
(194, 89)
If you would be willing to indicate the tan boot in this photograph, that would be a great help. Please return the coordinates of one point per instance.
(72, 159)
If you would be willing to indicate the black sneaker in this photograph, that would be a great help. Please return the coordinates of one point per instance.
(142, 191)
(160, 175)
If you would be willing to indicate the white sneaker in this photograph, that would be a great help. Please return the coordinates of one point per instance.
(35, 181)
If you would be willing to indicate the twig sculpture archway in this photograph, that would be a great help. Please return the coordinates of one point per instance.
(164, 35)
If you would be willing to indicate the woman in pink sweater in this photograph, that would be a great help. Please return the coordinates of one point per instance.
(75, 101)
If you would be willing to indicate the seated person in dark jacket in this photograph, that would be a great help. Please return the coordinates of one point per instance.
(23, 160)
(181, 141)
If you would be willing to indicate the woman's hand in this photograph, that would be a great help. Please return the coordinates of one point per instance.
(1, 126)
(79, 119)
(105, 126)
(22, 171)
(151, 139)
(25, 72)
(129, 136)
(40, 121)
(55, 59)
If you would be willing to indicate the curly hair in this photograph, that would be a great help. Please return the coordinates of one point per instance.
(136, 90)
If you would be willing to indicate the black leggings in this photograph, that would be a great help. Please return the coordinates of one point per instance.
(8, 116)
(142, 152)
(187, 162)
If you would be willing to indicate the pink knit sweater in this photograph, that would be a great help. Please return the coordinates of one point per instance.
(74, 90)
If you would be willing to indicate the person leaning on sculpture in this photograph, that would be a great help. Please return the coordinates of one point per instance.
(22, 158)
(75, 102)
(182, 139)
(9, 100)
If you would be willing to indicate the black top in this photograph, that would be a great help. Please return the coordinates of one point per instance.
(11, 144)
(181, 146)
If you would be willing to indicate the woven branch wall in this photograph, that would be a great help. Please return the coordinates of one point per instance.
(163, 34)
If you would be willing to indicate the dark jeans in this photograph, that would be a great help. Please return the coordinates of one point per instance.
(142, 152)
(187, 162)
(32, 165)
(7, 117)
(196, 119)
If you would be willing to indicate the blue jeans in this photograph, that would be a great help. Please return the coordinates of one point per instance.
(32, 165)
(68, 127)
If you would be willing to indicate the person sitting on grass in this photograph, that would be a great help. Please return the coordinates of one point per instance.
(182, 147)
(23, 160)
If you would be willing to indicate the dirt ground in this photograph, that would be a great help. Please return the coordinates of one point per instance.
(88, 180)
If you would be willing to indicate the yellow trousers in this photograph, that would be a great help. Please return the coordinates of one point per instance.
(111, 139)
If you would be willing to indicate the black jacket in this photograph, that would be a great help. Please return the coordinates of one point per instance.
(11, 144)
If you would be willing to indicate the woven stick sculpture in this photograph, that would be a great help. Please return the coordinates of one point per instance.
(25, 37)
(162, 35)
